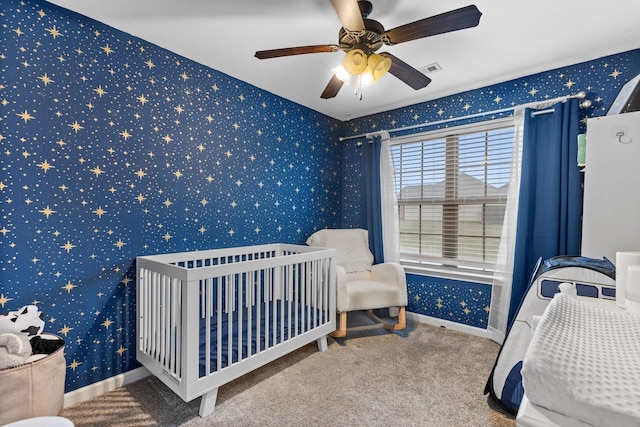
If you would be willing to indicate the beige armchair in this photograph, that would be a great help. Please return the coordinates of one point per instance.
(361, 285)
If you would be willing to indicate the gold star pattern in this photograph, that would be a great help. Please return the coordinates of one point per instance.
(74, 364)
(45, 166)
(65, 330)
(76, 126)
(25, 116)
(68, 246)
(107, 323)
(45, 79)
(4, 300)
(54, 32)
(99, 212)
(107, 49)
(47, 211)
(97, 171)
(69, 287)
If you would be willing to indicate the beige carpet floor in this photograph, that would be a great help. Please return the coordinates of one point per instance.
(422, 376)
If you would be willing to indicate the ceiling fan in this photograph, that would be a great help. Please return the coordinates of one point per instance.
(360, 38)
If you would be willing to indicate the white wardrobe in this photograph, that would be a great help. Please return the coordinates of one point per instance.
(611, 213)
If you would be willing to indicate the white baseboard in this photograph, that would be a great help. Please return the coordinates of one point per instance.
(96, 389)
(472, 330)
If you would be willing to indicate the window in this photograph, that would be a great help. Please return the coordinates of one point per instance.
(451, 187)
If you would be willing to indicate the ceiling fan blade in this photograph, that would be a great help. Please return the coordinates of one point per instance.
(459, 19)
(300, 50)
(406, 72)
(349, 14)
(332, 88)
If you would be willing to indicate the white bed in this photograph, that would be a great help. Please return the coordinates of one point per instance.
(582, 367)
(205, 318)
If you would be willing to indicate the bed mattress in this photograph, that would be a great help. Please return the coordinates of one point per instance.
(584, 362)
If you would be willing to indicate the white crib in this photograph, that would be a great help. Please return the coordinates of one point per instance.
(205, 318)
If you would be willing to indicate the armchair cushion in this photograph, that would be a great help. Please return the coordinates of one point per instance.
(352, 247)
(370, 294)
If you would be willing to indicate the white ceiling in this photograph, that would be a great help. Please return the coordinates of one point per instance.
(515, 38)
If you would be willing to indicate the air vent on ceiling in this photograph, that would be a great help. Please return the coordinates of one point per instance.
(431, 68)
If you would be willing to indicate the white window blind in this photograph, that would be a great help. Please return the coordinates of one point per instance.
(451, 186)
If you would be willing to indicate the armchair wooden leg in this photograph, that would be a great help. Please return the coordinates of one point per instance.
(402, 322)
(341, 331)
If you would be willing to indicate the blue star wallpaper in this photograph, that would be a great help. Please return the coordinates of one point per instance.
(464, 302)
(114, 148)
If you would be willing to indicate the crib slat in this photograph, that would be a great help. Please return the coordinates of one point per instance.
(281, 286)
(237, 288)
(208, 315)
(176, 306)
(229, 297)
(250, 303)
(315, 298)
(291, 282)
(219, 324)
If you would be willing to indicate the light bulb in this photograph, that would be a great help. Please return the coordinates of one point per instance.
(342, 74)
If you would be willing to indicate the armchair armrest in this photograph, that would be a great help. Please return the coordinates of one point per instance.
(392, 273)
(341, 288)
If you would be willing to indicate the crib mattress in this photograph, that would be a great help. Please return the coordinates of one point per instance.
(584, 362)
(275, 326)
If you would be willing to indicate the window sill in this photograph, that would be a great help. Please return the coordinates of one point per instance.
(483, 277)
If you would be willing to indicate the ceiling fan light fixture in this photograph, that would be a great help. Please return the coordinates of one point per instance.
(379, 65)
(355, 61)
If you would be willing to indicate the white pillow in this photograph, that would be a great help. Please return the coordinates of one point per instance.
(351, 245)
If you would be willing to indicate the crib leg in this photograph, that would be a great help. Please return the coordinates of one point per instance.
(322, 343)
(208, 402)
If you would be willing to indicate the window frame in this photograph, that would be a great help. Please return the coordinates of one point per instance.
(480, 272)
